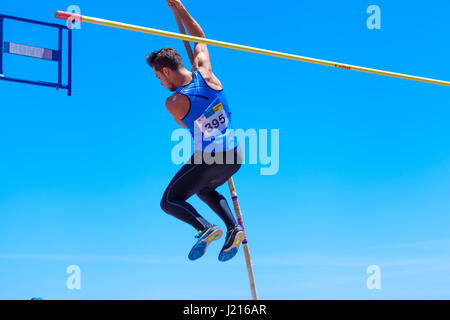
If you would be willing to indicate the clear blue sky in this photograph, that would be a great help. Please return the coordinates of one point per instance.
(364, 175)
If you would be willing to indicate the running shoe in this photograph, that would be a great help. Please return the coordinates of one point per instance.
(205, 238)
(234, 238)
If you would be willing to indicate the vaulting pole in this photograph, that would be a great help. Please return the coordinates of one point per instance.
(248, 261)
(186, 43)
(71, 16)
(237, 209)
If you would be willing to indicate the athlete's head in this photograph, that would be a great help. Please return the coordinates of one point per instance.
(166, 63)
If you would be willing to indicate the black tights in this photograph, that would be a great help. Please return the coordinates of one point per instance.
(202, 179)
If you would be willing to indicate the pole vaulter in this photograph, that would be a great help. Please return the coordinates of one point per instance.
(231, 186)
(236, 237)
(120, 25)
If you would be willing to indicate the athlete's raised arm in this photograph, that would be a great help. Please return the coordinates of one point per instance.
(201, 54)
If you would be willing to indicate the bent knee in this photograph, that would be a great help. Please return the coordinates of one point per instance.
(167, 202)
(164, 204)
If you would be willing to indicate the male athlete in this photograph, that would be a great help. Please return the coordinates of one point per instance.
(199, 104)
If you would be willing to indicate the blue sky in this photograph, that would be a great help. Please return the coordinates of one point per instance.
(364, 159)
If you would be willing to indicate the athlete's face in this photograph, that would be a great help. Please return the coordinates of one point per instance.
(164, 77)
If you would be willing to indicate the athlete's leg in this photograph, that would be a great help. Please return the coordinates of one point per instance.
(218, 174)
(219, 205)
(184, 184)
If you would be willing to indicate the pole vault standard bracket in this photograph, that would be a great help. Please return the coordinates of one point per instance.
(38, 53)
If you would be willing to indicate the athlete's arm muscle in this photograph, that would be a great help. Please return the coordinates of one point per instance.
(201, 55)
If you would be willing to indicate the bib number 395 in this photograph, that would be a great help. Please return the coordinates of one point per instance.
(213, 121)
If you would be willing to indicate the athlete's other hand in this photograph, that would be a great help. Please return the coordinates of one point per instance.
(174, 3)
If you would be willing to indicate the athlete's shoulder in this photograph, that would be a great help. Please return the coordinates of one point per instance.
(211, 80)
(176, 99)
(178, 105)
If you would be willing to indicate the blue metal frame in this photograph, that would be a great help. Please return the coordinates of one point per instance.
(61, 28)
(1, 44)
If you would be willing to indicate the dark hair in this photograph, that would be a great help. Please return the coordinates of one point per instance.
(166, 57)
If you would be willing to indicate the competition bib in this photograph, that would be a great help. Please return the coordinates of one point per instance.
(213, 121)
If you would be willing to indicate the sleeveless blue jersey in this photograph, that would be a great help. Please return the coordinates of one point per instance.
(209, 117)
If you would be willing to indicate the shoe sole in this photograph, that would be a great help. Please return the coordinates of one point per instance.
(199, 248)
(229, 253)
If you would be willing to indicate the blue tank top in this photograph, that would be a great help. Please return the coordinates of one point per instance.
(209, 117)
